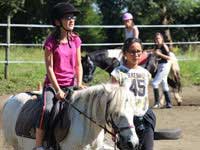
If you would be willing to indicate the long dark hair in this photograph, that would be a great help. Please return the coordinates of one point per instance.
(57, 35)
(128, 42)
(158, 34)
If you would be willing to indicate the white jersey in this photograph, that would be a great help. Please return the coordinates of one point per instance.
(136, 80)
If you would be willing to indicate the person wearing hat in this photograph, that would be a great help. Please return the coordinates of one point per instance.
(131, 30)
(62, 53)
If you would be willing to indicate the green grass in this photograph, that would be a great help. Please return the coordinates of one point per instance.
(190, 70)
(25, 77)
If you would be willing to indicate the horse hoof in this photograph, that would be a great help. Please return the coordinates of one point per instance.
(167, 134)
(179, 103)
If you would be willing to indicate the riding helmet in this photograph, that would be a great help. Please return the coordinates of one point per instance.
(61, 9)
(127, 16)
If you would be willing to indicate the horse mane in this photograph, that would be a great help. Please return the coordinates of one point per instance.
(105, 99)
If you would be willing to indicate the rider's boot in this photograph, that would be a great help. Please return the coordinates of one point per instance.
(156, 97)
(168, 99)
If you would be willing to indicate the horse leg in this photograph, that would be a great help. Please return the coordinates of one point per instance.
(162, 100)
(177, 97)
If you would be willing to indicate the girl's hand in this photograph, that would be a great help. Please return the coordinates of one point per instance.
(81, 86)
(60, 95)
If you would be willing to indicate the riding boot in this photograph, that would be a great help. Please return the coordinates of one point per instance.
(156, 97)
(168, 99)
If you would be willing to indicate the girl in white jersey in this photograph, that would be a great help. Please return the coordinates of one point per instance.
(136, 79)
(131, 30)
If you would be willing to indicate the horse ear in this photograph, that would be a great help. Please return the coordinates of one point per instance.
(88, 57)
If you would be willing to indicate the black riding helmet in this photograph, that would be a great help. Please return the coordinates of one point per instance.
(61, 9)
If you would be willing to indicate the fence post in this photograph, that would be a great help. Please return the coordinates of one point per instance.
(7, 50)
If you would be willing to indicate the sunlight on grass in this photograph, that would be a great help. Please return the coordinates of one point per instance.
(25, 77)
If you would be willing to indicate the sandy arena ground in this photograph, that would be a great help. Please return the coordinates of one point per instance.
(186, 117)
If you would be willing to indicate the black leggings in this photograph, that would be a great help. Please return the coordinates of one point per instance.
(148, 139)
(145, 129)
(47, 103)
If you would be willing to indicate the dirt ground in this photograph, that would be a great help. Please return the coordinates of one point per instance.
(185, 117)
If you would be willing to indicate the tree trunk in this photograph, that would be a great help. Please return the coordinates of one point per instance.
(165, 20)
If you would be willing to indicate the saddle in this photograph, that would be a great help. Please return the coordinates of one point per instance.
(58, 125)
(144, 58)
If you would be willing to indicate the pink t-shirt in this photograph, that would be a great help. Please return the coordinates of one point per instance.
(64, 59)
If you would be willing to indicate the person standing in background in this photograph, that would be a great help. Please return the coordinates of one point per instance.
(163, 54)
(131, 30)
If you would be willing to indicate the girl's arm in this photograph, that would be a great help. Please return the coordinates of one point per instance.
(79, 69)
(157, 52)
(50, 73)
(136, 31)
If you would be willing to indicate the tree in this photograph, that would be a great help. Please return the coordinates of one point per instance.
(11, 7)
(89, 16)
(112, 11)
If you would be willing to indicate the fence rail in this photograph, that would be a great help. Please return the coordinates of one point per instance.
(104, 26)
(8, 25)
(97, 44)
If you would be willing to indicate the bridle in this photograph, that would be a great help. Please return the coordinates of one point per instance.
(117, 130)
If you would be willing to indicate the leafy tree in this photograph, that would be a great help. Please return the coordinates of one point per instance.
(11, 7)
(112, 11)
(90, 16)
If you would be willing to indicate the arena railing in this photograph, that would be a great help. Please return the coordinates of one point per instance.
(8, 43)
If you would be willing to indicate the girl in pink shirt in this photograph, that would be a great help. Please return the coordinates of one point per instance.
(63, 63)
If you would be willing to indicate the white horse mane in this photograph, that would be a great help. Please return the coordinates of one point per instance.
(99, 96)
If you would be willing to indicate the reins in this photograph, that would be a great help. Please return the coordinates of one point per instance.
(89, 118)
(117, 130)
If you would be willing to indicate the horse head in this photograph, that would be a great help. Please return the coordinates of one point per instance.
(113, 106)
(89, 63)
(119, 116)
(88, 68)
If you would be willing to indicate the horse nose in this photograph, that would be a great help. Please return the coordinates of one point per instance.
(130, 145)
(87, 78)
(133, 143)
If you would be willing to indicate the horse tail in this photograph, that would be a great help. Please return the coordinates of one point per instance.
(174, 79)
(178, 81)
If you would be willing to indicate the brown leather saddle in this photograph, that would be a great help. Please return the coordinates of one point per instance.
(59, 122)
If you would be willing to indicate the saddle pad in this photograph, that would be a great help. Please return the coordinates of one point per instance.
(28, 117)
(26, 121)
(143, 58)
